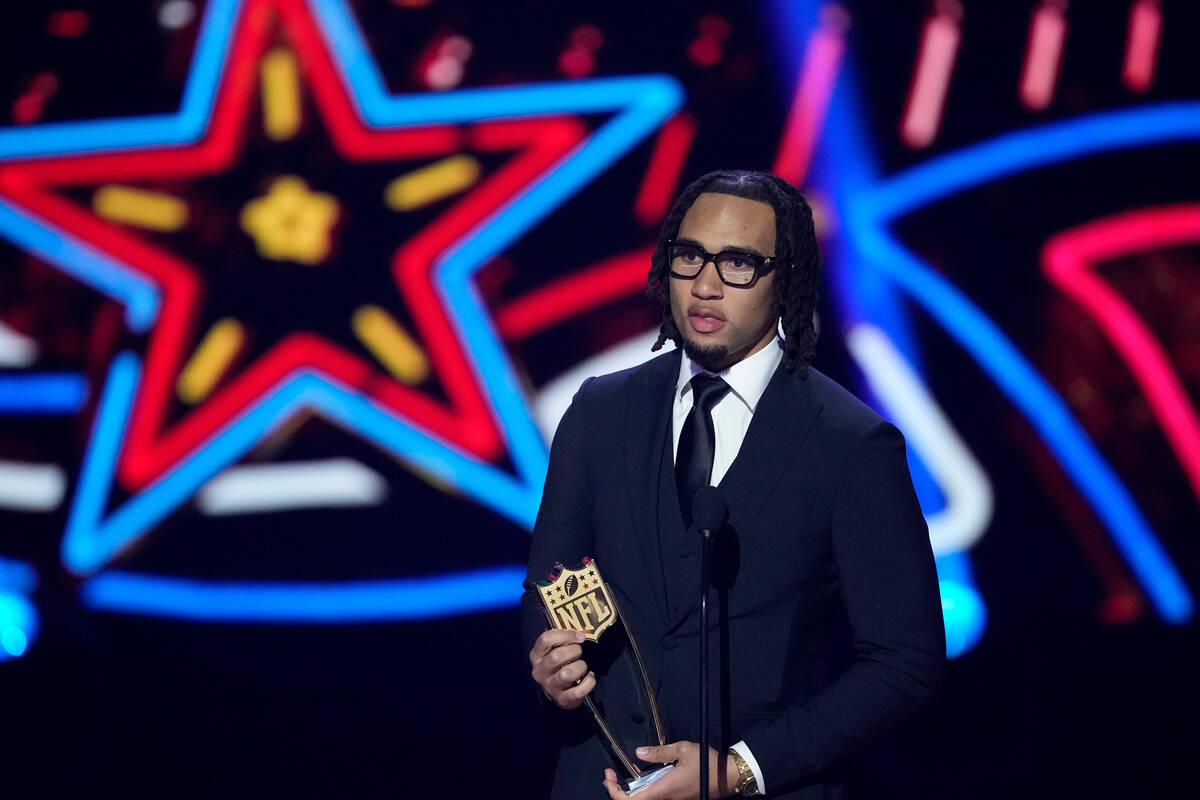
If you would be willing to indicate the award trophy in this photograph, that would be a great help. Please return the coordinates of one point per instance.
(580, 600)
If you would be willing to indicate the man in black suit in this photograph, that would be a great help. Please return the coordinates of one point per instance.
(829, 627)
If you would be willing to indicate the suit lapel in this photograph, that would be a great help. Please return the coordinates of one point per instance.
(647, 420)
(782, 418)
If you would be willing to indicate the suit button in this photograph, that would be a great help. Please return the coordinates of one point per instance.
(637, 717)
(668, 642)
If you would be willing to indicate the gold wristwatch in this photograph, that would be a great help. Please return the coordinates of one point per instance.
(747, 784)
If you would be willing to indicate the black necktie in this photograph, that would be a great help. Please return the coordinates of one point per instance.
(697, 441)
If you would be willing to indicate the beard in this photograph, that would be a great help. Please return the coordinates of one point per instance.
(711, 357)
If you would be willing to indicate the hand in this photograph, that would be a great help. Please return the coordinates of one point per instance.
(683, 782)
(558, 665)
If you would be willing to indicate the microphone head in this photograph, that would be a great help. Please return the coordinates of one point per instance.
(709, 509)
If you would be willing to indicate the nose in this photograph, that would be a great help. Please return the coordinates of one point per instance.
(707, 285)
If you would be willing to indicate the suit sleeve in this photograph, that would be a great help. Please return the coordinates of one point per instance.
(885, 568)
(563, 529)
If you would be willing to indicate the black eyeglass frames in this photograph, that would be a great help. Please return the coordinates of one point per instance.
(734, 267)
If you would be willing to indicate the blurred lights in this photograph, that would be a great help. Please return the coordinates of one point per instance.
(18, 625)
(212, 358)
(446, 64)
(666, 163)
(708, 48)
(814, 88)
(265, 488)
(145, 209)
(578, 59)
(1043, 54)
(963, 615)
(45, 393)
(281, 94)
(31, 487)
(68, 23)
(176, 14)
(16, 349)
(431, 183)
(391, 344)
(931, 74)
(1141, 46)
(291, 222)
(31, 104)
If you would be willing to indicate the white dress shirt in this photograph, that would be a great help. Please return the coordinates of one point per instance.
(747, 380)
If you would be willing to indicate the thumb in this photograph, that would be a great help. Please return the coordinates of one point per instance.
(656, 755)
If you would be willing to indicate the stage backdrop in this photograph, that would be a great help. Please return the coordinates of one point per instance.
(294, 292)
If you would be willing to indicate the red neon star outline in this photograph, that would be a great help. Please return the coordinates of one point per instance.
(466, 421)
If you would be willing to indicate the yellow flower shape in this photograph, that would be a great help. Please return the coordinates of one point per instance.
(291, 222)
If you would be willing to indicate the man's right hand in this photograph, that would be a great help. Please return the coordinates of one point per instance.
(557, 660)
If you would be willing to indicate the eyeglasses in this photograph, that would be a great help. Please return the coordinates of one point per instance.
(734, 267)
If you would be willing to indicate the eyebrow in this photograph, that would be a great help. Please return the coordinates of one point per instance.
(725, 249)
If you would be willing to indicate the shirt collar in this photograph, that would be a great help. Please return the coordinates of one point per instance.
(747, 378)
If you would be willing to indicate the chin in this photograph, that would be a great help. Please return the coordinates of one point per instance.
(712, 357)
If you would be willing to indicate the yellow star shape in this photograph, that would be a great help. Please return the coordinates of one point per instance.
(291, 222)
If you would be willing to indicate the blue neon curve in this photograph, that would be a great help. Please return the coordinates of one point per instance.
(867, 216)
(42, 393)
(398, 599)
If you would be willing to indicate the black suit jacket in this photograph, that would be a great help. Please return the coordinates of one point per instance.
(830, 623)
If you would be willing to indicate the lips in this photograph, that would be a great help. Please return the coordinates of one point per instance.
(705, 320)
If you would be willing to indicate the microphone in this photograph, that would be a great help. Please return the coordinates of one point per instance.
(709, 511)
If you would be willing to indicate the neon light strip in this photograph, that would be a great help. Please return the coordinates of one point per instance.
(332, 483)
(31, 487)
(562, 299)
(83, 262)
(968, 509)
(279, 76)
(91, 539)
(1069, 260)
(309, 603)
(1047, 31)
(42, 393)
(1141, 45)
(662, 173)
(814, 88)
(931, 79)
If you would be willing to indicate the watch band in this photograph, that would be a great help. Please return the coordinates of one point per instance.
(747, 783)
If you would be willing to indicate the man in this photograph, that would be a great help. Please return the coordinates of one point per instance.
(830, 625)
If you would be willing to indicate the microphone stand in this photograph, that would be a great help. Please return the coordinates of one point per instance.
(706, 535)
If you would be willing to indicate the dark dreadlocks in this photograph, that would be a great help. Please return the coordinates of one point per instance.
(796, 277)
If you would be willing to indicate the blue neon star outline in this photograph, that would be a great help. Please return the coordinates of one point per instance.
(640, 103)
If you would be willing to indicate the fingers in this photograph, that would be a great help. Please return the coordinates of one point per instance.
(551, 639)
(575, 694)
(557, 664)
(613, 787)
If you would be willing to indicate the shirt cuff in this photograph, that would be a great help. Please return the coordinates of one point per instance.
(744, 751)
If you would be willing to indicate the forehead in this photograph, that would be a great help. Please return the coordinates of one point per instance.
(720, 220)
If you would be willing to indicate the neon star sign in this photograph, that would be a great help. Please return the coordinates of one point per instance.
(162, 463)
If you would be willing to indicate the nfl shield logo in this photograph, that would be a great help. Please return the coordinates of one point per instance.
(578, 600)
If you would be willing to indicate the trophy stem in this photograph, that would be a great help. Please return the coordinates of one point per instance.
(641, 667)
(612, 740)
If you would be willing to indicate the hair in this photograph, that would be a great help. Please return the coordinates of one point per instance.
(797, 265)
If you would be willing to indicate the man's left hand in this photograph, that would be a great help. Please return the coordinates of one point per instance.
(683, 782)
